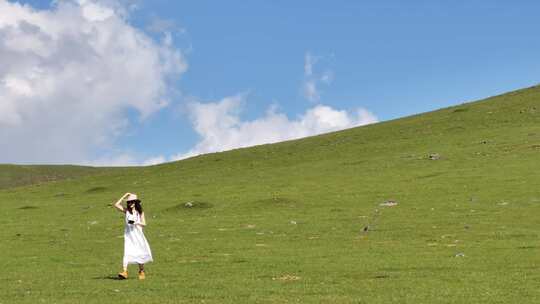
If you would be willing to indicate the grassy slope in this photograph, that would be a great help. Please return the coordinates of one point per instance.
(16, 175)
(297, 208)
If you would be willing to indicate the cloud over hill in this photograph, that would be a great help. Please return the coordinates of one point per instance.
(220, 127)
(70, 73)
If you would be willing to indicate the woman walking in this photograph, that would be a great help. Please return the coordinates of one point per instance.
(136, 248)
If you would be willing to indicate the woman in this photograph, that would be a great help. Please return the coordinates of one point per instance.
(136, 248)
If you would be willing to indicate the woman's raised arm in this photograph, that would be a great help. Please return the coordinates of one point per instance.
(118, 204)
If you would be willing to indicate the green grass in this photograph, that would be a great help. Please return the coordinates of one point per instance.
(16, 176)
(283, 223)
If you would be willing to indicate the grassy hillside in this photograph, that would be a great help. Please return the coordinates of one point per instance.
(16, 176)
(284, 223)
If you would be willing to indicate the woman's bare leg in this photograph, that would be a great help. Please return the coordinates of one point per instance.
(141, 267)
(125, 264)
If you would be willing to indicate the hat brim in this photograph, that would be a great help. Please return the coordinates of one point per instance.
(134, 201)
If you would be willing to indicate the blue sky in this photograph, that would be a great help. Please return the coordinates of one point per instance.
(392, 58)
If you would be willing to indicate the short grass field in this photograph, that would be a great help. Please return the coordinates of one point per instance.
(284, 223)
(19, 175)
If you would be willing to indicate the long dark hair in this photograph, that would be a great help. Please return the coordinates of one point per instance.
(138, 206)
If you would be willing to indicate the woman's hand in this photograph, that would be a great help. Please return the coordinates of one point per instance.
(118, 204)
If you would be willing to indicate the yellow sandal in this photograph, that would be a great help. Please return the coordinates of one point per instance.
(123, 275)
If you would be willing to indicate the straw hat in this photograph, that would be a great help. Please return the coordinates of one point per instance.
(132, 197)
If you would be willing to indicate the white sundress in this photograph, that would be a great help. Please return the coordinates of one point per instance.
(136, 248)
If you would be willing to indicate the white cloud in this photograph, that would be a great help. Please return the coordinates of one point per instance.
(221, 128)
(310, 90)
(68, 76)
(309, 61)
(163, 25)
(327, 77)
(313, 79)
(95, 12)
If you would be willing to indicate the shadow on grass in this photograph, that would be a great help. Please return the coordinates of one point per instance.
(108, 277)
